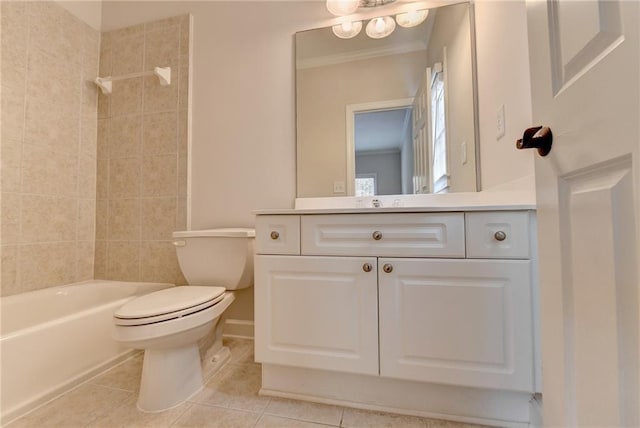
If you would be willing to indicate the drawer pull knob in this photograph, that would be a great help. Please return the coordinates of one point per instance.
(387, 268)
(500, 235)
(377, 235)
(275, 235)
(367, 267)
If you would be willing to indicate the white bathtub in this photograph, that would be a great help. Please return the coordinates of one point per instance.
(55, 338)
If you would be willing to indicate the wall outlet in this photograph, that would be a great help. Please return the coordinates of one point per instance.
(500, 125)
(338, 187)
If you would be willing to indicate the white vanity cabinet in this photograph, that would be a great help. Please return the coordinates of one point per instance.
(439, 297)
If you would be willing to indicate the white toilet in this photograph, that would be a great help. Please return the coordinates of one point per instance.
(174, 325)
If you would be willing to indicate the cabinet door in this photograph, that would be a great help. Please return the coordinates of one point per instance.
(317, 312)
(460, 322)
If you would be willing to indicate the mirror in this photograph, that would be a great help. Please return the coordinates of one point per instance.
(388, 116)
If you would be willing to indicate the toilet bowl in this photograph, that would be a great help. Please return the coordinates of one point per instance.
(180, 328)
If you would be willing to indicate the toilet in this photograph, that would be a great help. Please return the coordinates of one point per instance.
(180, 328)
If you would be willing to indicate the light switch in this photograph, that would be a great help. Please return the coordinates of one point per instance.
(500, 125)
(338, 187)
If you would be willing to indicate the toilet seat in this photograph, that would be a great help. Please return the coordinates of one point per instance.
(168, 304)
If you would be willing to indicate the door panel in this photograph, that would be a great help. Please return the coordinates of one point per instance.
(584, 60)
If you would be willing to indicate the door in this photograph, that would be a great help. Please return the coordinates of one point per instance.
(457, 322)
(317, 312)
(585, 87)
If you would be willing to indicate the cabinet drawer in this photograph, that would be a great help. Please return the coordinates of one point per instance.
(498, 235)
(402, 235)
(278, 234)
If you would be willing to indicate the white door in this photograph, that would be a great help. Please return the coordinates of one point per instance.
(585, 87)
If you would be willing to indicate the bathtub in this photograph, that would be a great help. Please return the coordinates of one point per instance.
(55, 338)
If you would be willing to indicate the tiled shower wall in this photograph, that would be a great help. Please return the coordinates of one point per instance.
(49, 59)
(142, 153)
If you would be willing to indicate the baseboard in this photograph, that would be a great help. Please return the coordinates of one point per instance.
(453, 403)
(239, 328)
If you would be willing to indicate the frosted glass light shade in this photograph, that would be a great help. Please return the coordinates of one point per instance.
(412, 18)
(342, 7)
(347, 30)
(381, 27)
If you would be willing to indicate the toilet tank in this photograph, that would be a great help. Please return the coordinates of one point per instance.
(216, 257)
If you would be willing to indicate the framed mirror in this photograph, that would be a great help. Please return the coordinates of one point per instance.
(394, 115)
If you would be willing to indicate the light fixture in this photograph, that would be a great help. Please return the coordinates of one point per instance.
(412, 18)
(347, 30)
(342, 7)
(380, 27)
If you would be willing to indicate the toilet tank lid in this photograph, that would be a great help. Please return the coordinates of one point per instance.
(234, 232)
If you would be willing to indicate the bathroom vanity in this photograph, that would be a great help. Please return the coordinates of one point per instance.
(426, 311)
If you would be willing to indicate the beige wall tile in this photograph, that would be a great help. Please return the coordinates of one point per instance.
(105, 66)
(160, 134)
(46, 265)
(159, 262)
(159, 98)
(100, 261)
(49, 172)
(158, 218)
(102, 211)
(89, 136)
(102, 179)
(181, 213)
(123, 260)
(159, 175)
(102, 150)
(125, 135)
(124, 177)
(126, 32)
(184, 40)
(182, 176)
(86, 226)
(85, 257)
(127, 54)
(127, 96)
(10, 280)
(10, 164)
(162, 47)
(12, 115)
(161, 23)
(54, 29)
(10, 218)
(124, 219)
(183, 89)
(89, 97)
(90, 52)
(87, 172)
(104, 105)
(52, 81)
(52, 126)
(48, 218)
(13, 32)
(183, 132)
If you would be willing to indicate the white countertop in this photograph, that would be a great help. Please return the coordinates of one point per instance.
(501, 200)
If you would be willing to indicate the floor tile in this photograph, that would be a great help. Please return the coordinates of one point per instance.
(128, 416)
(354, 418)
(305, 411)
(76, 408)
(269, 421)
(207, 416)
(125, 375)
(235, 387)
(241, 350)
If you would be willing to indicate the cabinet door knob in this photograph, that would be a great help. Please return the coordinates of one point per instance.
(377, 235)
(275, 235)
(388, 268)
(367, 267)
(500, 235)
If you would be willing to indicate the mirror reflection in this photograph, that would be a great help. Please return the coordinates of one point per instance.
(387, 116)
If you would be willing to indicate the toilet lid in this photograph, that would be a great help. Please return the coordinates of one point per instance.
(168, 304)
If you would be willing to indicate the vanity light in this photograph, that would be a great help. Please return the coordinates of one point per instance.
(347, 30)
(412, 18)
(380, 27)
(342, 7)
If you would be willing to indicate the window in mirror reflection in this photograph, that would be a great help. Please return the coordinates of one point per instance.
(439, 134)
(366, 185)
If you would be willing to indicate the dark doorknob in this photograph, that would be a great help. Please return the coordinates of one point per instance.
(538, 137)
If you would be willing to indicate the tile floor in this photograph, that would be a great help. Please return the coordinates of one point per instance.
(229, 399)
